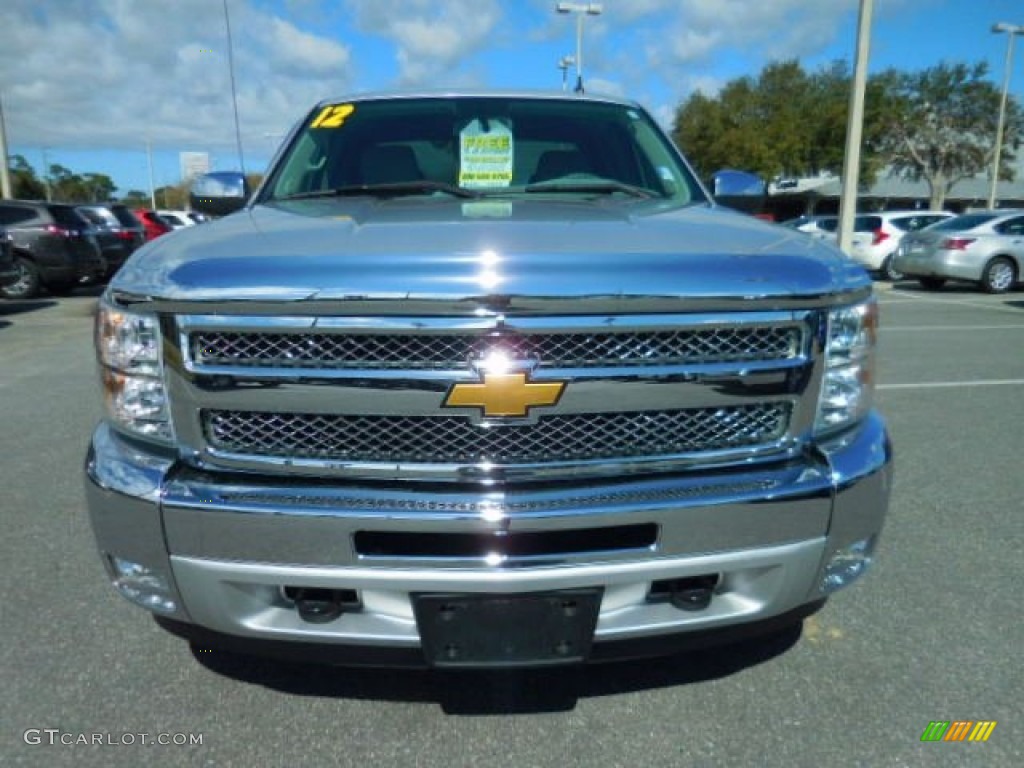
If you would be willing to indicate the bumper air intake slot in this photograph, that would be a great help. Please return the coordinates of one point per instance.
(511, 545)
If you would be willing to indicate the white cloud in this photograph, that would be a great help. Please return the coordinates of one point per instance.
(432, 37)
(779, 28)
(607, 87)
(302, 52)
(93, 74)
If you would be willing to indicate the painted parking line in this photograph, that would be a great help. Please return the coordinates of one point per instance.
(952, 384)
(961, 302)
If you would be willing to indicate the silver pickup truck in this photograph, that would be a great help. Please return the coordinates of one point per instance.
(483, 379)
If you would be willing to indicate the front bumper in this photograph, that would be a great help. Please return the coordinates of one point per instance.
(229, 546)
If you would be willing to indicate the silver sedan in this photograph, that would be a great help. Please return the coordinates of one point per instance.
(986, 247)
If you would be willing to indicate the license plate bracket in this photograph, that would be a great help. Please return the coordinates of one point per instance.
(517, 630)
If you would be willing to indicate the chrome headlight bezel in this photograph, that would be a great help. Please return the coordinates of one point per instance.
(848, 383)
(128, 349)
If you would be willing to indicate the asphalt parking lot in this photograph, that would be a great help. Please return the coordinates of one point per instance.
(933, 633)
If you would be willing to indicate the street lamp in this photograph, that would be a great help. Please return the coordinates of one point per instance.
(563, 64)
(234, 93)
(46, 174)
(5, 170)
(581, 10)
(855, 128)
(1011, 30)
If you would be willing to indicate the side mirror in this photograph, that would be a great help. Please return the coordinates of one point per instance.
(740, 190)
(219, 193)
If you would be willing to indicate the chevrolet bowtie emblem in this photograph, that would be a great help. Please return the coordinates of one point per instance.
(504, 394)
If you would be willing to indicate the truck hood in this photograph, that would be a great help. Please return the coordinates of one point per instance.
(425, 255)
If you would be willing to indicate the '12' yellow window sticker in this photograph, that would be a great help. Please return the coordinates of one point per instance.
(332, 116)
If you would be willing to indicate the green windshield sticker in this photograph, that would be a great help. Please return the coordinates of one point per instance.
(485, 154)
(332, 116)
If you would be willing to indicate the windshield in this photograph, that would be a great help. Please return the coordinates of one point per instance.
(476, 146)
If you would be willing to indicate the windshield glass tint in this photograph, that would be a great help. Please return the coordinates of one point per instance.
(490, 146)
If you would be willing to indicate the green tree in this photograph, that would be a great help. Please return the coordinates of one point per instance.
(25, 184)
(65, 185)
(173, 196)
(943, 125)
(99, 186)
(136, 198)
(785, 122)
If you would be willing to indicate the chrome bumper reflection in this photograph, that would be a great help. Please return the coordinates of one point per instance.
(232, 545)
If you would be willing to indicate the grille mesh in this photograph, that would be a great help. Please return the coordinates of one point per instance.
(454, 351)
(445, 439)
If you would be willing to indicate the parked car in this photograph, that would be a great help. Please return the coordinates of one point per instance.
(116, 242)
(54, 247)
(176, 219)
(8, 268)
(179, 219)
(821, 227)
(986, 248)
(876, 237)
(129, 223)
(154, 225)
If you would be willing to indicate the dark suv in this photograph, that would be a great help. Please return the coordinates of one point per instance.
(54, 247)
(119, 233)
(8, 269)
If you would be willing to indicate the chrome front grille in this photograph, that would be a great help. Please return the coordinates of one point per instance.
(456, 440)
(364, 397)
(456, 351)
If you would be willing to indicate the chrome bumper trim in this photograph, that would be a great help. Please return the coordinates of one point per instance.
(244, 598)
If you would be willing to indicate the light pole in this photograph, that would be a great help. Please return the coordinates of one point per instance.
(5, 171)
(854, 128)
(234, 94)
(46, 175)
(152, 186)
(563, 64)
(1011, 30)
(581, 10)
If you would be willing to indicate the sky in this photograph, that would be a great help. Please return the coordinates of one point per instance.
(89, 84)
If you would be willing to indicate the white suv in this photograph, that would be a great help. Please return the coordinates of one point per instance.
(876, 236)
(179, 219)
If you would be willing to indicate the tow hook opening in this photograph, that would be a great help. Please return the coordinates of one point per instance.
(692, 593)
(316, 605)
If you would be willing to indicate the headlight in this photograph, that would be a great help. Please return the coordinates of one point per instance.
(849, 382)
(128, 348)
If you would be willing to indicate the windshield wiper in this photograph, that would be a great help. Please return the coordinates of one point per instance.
(385, 190)
(589, 185)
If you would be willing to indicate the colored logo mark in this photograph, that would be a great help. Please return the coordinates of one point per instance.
(958, 730)
(504, 394)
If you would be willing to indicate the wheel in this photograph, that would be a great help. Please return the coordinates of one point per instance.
(931, 283)
(888, 272)
(999, 275)
(28, 283)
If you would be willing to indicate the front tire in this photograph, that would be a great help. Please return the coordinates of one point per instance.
(28, 284)
(931, 283)
(999, 276)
